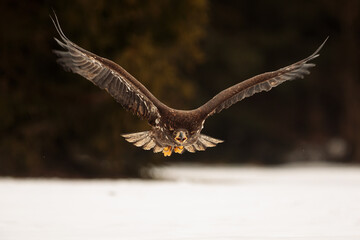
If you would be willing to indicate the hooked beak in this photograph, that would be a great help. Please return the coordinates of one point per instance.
(181, 137)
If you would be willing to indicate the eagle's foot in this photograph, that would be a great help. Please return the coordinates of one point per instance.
(179, 149)
(167, 151)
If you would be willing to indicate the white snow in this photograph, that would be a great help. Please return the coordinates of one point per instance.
(188, 202)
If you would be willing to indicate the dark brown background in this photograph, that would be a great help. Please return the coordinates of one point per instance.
(54, 123)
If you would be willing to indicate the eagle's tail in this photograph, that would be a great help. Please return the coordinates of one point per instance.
(202, 143)
(147, 142)
(144, 140)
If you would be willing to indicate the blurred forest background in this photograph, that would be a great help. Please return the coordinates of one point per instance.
(55, 123)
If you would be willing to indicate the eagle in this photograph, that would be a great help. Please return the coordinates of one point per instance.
(172, 130)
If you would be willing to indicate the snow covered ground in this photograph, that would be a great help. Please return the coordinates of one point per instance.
(188, 202)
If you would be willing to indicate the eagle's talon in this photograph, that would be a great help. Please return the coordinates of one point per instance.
(179, 149)
(167, 151)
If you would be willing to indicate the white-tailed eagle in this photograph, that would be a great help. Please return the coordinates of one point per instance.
(172, 130)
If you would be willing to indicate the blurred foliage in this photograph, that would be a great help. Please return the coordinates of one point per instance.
(251, 37)
(54, 123)
(57, 124)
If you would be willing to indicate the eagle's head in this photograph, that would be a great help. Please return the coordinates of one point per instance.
(180, 136)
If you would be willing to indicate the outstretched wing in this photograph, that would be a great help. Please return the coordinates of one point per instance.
(123, 87)
(259, 83)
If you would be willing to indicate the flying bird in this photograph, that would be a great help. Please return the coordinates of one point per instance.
(172, 130)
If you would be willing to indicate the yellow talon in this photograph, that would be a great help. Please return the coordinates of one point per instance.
(179, 149)
(167, 151)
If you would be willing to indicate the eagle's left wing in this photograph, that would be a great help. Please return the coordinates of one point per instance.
(259, 83)
(121, 85)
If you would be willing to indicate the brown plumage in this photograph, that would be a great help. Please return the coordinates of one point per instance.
(172, 129)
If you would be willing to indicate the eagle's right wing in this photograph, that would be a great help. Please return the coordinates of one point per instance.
(123, 87)
(259, 83)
